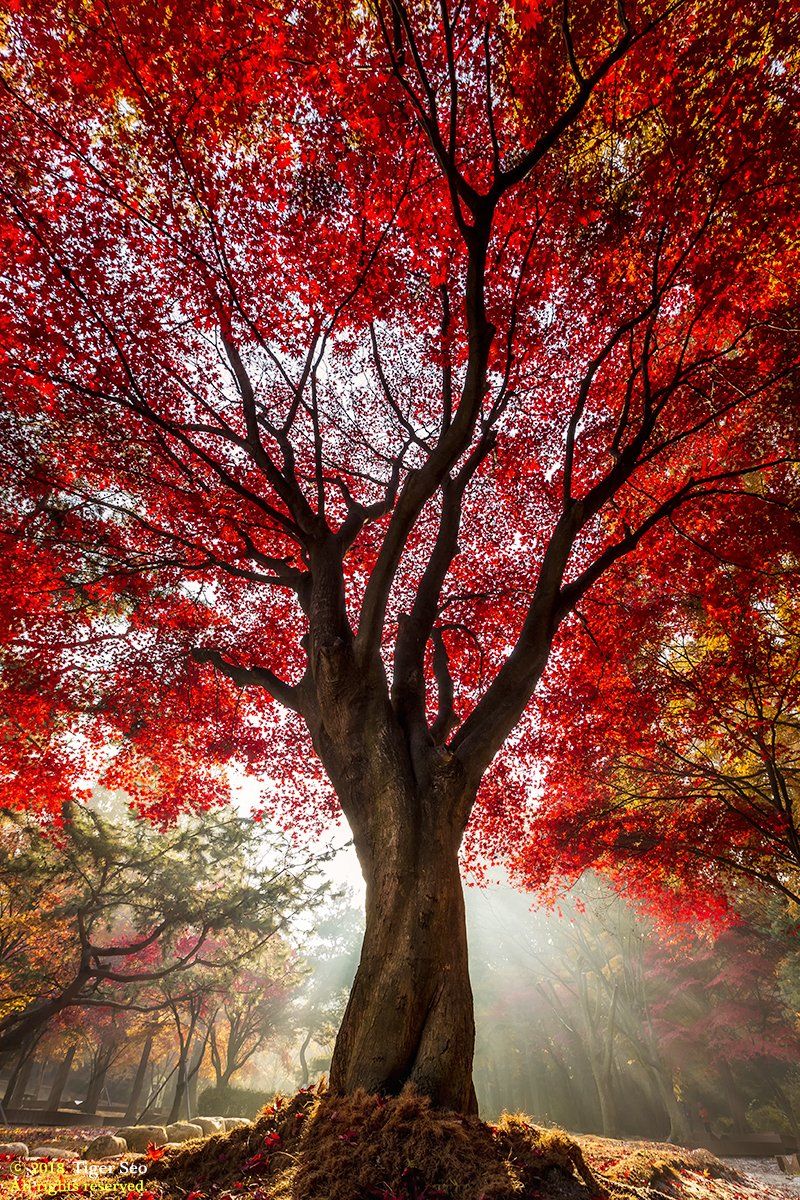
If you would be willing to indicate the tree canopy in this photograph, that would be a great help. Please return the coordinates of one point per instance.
(249, 232)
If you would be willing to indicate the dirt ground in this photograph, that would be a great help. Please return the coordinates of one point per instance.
(766, 1172)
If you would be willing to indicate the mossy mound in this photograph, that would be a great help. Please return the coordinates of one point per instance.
(318, 1146)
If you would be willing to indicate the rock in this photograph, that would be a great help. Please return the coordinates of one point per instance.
(235, 1123)
(13, 1149)
(210, 1125)
(789, 1164)
(106, 1146)
(53, 1152)
(139, 1137)
(183, 1131)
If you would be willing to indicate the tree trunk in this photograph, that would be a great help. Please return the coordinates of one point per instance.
(782, 1100)
(678, 1132)
(95, 1088)
(19, 1027)
(59, 1083)
(733, 1096)
(609, 1115)
(410, 1014)
(17, 1084)
(138, 1083)
(304, 1074)
(180, 1098)
(192, 1079)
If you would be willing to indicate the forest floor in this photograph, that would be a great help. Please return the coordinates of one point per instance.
(316, 1147)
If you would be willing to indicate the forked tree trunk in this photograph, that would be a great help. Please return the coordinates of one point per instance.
(409, 1019)
(410, 1014)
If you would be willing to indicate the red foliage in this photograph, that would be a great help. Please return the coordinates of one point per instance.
(720, 998)
(678, 775)
(238, 255)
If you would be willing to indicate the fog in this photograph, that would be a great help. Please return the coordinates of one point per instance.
(596, 1015)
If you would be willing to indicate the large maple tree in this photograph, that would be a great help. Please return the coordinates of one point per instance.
(344, 349)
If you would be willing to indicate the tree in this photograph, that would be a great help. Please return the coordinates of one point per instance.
(702, 797)
(331, 957)
(250, 1011)
(376, 336)
(135, 906)
(718, 1002)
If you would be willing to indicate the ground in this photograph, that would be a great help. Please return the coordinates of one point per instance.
(319, 1147)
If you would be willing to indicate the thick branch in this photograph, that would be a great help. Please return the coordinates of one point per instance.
(286, 693)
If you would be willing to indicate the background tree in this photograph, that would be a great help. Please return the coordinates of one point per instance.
(134, 906)
(252, 1008)
(718, 1002)
(702, 795)
(597, 1016)
(376, 337)
(331, 958)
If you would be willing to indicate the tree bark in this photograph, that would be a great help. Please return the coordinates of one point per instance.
(678, 1125)
(736, 1105)
(18, 1027)
(609, 1113)
(781, 1098)
(179, 1106)
(409, 1019)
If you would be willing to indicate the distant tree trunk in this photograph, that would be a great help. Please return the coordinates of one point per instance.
(609, 1116)
(601, 1060)
(649, 1106)
(226, 1076)
(160, 1075)
(304, 1076)
(194, 1075)
(733, 1099)
(59, 1083)
(782, 1100)
(96, 1082)
(578, 1102)
(18, 1082)
(179, 1096)
(182, 1102)
(678, 1125)
(138, 1083)
(410, 1014)
(586, 1087)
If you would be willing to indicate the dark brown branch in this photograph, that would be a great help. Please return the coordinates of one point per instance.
(286, 693)
(446, 716)
(414, 630)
